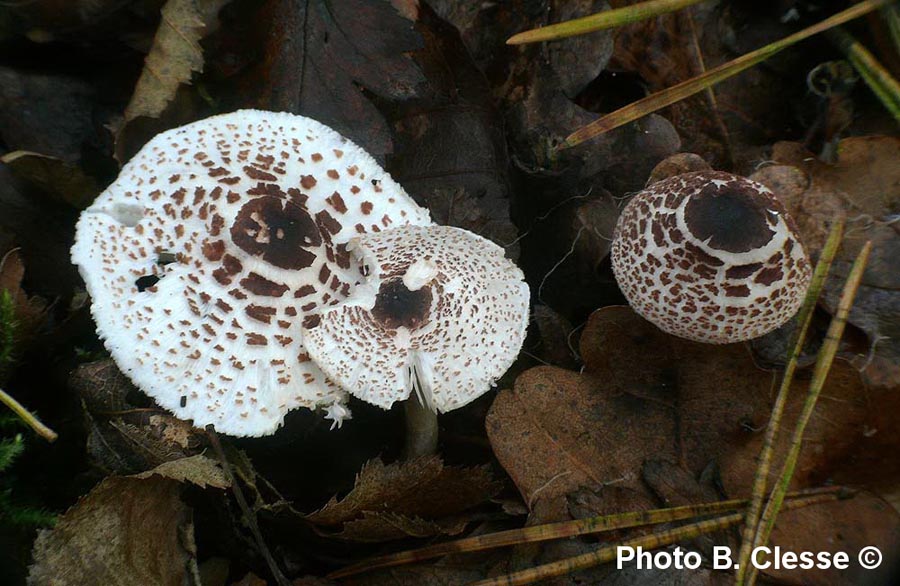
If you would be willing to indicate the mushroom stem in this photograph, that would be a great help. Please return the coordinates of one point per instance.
(421, 428)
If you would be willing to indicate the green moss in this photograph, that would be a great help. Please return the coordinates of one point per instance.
(8, 327)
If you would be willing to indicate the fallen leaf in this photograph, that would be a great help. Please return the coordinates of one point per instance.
(102, 386)
(419, 498)
(863, 184)
(46, 113)
(125, 531)
(42, 230)
(123, 435)
(198, 470)
(63, 181)
(646, 397)
(844, 525)
(556, 332)
(322, 57)
(449, 148)
(20, 315)
(733, 130)
(175, 56)
(578, 60)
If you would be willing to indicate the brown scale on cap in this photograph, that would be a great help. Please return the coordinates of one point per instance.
(711, 257)
(208, 252)
(442, 311)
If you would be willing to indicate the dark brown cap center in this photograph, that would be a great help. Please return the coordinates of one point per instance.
(397, 306)
(733, 220)
(278, 231)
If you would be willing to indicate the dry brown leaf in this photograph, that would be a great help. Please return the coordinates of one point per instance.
(175, 56)
(198, 470)
(29, 312)
(646, 397)
(123, 436)
(126, 531)
(63, 181)
(420, 497)
(556, 332)
(449, 148)
(864, 185)
(321, 58)
(847, 525)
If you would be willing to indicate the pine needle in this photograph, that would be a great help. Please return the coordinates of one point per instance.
(600, 21)
(879, 80)
(561, 530)
(689, 87)
(804, 317)
(820, 374)
(26, 416)
(653, 541)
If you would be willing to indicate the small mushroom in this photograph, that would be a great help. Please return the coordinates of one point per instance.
(711, 257)
(442, 311)
(215, 244)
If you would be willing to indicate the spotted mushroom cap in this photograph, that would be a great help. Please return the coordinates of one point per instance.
(711, 257)
(215, 244)
(442, 310)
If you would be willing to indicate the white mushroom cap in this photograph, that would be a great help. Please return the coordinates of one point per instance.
(213, 246)
(442, 310)
(711, 257)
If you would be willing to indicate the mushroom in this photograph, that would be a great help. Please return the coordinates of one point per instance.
(442, 311)
(215, 244)
(711, 257)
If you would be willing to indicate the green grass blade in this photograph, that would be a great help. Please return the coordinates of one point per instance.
(600, 21)
(689, 87)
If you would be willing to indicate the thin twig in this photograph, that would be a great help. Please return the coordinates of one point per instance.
(804, 317)
(820, 373)
(26, 416)
(249, 515)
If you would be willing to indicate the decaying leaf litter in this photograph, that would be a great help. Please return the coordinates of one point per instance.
(602, 413)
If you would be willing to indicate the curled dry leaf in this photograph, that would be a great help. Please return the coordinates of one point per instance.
(863, 184)
(123, 437)
(63, 181)
(319, 55)
(449, 147)
(175, 56)
(644, 394)
(45, 112)
(844, 525)
(20, 315)
(677, 164)
(127, 530)
(198, 470)
(419, 498)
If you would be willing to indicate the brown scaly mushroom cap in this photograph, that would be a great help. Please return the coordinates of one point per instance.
(216, 242)
(442, 311)
(711, 257)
